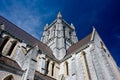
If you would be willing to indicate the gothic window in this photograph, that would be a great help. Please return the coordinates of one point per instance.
(86, 68)
(70, 33)
(5, 40)
(47, 66)
(9, 77)
(53, 65)
(84, 55)
(66, 68)
(12, 48)
(48, 34)
(64, 31)
(54, 30)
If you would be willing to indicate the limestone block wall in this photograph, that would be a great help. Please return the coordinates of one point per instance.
(68, 68)
(105, 60)
(30, 64)
(20, 54)
(91, 63)
(40, 66)
(11, 43)
(47, 66)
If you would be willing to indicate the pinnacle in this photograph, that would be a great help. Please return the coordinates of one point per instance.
(46, 26)
(2, 26)
(59, 15)
(93, 27)
(72, 26)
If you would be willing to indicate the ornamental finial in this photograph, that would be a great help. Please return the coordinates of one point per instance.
(59, 15)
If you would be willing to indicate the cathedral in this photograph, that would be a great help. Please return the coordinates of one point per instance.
(59, 55)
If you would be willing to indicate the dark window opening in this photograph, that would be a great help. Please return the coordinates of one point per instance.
(86, 63)
(11, 48)
(108, 55)
(67, 68)
(47, 66)
(101, 43)
(5, 40)
(104, 49)
(53, 69)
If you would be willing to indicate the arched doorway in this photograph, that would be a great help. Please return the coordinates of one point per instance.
(9, 77)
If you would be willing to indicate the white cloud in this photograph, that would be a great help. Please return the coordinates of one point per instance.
(26, 16)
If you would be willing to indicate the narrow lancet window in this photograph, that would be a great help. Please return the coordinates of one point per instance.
(47, 66)
(53, 69)
(67, 68)
(5, 40)
(12, 48)
(86, 67)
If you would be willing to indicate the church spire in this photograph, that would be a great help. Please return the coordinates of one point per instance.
(59, 15)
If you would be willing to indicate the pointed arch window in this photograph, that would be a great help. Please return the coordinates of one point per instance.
(12, 48)
(54, 30)
(5, 40)
(47, 66)
(86, 66)
(66, 69)
(53, 65)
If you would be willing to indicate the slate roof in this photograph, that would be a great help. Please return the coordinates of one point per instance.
(24, 36)
(79, 44)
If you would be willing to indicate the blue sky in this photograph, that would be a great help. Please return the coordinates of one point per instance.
(32, 15)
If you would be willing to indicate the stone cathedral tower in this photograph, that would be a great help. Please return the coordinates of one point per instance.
(59, 36)
(58, 56)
